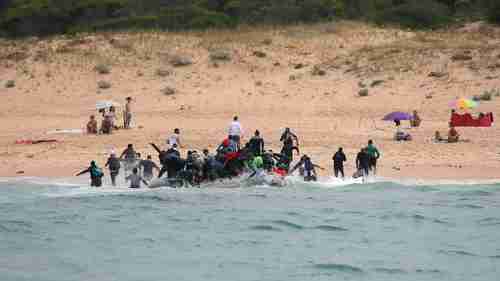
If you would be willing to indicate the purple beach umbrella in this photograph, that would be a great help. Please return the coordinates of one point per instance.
(397, 115)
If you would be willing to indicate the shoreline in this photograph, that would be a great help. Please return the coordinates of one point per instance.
(308, 80)
(328, 181)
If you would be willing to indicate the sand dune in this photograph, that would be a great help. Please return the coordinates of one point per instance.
(308, 80)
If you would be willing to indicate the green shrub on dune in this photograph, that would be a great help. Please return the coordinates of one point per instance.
(415, 14)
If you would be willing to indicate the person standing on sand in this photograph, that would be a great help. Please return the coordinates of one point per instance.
(114, 167)
(96, 174)
(235, 131)
(373, 155)
(127, 114)
(175, 138)
(338, 163)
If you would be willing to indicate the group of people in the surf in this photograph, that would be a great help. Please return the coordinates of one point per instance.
(231, 159)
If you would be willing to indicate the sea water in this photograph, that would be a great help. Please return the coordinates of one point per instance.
(327, 231)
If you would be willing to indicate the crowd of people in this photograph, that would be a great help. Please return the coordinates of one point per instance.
(230, 159)
(109, 119)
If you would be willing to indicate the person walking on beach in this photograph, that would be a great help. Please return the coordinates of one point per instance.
(114, 167)
(135, 179)
(338, 163)
(175, 138)
(362, 164)
(127, 114)
(96, 174)
(373, 155)
(235, 131)
(147, 167)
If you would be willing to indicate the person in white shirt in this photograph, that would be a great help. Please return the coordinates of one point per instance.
(235, 131)
(175, 138)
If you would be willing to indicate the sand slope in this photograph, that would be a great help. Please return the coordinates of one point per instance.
(56, 88)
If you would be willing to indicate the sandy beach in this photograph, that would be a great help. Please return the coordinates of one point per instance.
(303, 77)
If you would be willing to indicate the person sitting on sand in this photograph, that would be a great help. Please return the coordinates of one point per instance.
(92, 126)
(438, 137)
(453, 135)
(135, 179)
(107, 124)
(402, 136)
(397, 123)
(415, 120)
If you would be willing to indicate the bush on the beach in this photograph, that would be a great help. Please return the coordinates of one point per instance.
(10, 84)
(168, 91)
(103, 85)
(494, 12)
(220, 55)
(45, 17)
(363, 93)
(162, 72)
(102, 69)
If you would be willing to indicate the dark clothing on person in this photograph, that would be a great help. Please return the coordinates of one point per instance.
(338, 171)
(288, 151)
(287, 138)
(95, 175)
(338, 163)
(363, 162)
(256, 145)
(308, 168)
(114, 168)
(339, 159)
(268, 160)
